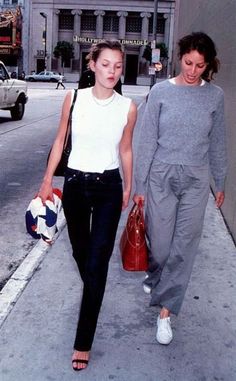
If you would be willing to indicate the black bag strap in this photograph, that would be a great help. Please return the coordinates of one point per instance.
(67, 141)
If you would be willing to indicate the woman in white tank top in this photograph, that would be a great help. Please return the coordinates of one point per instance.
(94, 194)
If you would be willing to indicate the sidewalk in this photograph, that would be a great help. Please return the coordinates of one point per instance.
(36, 338)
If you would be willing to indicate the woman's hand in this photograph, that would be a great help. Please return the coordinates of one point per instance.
(46, 191)
(138, 198)
(220, 197)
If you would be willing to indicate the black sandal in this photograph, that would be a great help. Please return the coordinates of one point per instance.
(79, 361)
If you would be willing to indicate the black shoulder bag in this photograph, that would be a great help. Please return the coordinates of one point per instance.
(62, 165)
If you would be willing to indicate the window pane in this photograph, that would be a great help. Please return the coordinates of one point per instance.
(111, 22)
(66, 20)
(133, 23)
(160, 24)
(88, 21)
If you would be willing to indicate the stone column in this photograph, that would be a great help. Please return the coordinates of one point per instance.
(143, 64)
(54, 61)
(169, 33)
(99, 23)
(122, 23)
(145, 16)
(167, 29)
(77, 28)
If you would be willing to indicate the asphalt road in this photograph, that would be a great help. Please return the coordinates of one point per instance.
(24, 146)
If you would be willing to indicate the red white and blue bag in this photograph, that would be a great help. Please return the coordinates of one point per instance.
(41, 219)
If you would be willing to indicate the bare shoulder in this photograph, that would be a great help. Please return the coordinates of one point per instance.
(132, 111)
(68, 99)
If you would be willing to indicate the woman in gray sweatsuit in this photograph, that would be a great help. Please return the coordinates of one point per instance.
(182, 142)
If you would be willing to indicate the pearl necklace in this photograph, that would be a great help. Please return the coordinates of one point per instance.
(104, 102)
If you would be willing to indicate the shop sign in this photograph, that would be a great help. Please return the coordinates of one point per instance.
(134, 42)
(89, 40)
(158, 66)
(151, 70)
(11, 27)
(155, 55)
(40, 53)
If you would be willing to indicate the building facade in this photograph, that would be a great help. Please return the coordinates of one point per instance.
(218, 19)
(81, 23)
(14, 41)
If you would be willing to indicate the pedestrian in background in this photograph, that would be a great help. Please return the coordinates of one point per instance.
(93, 195)
(87, 79)
(182, 141)
(22, 76)
(60, 82)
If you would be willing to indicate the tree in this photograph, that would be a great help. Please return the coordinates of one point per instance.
(163, 50)
(65, 51)
(147, 54)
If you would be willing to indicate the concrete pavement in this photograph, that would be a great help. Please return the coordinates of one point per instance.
(36, 335)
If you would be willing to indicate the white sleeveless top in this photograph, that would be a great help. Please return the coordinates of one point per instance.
(97, 128)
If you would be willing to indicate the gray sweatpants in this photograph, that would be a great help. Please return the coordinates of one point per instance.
(176, 202)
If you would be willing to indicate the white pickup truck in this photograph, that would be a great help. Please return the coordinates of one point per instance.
(13, 94)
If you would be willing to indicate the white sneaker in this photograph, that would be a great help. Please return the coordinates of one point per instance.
(164, 332)
(147, 289)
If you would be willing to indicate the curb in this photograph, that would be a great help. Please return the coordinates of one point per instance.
(21, 277)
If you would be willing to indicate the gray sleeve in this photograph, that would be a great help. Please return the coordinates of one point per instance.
(147, 141)
(217, 149)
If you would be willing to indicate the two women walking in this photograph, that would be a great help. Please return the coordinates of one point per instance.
(182, 142)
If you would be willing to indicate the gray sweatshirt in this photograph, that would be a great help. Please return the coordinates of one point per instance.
(183, 125)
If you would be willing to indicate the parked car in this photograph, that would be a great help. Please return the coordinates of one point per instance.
(45, 76)
(13, 94)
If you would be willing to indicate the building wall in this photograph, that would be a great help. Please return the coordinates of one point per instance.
(77, 7)
(218, 19)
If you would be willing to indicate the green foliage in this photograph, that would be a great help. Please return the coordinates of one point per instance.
(65, 50)
(163, 50)
(147, 54)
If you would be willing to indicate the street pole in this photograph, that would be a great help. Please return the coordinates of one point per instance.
(45, 39)
(154, 35)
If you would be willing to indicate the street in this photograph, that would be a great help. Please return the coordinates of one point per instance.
(24, 146)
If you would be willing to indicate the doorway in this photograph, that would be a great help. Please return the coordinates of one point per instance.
(131, 69)
(40, 65)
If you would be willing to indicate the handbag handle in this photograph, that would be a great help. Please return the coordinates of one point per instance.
(136, 219)
(137, 214)
(67, 141)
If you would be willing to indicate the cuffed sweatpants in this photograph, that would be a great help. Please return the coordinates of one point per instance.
(176, 202)
(92, 204)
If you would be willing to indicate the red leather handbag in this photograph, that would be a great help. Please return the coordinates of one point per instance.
(133, 245)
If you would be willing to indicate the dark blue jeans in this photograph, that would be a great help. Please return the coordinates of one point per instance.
(92, 205)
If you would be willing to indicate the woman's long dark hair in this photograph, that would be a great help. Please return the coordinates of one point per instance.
(204, 45)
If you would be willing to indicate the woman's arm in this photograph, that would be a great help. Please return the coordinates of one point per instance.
(218, 150)
(126, 154)
(45, 190)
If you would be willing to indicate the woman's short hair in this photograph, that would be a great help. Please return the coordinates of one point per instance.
(97, 48)
(204, 45)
